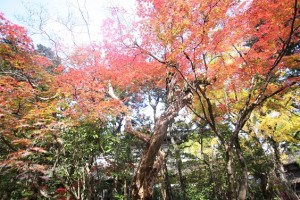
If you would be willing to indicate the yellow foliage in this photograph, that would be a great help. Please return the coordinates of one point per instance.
(192, 148)
(279, 119)
(293, 61)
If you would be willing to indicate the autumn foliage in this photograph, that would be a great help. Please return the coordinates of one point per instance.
(233, 66)
(26, 99)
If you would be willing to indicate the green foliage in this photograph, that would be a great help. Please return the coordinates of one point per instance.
(118, 196)
(195, 194)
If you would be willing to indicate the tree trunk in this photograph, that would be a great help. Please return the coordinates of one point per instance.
(125, 189)
(232, 189)
(243, 187)
(163, 192)
(266, 186)
(166, 185)
(286, 192)
(152, 158)
(89, 178)
(143, 181)
(179, 167)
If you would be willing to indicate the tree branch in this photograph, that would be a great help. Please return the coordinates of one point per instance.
(128, 125)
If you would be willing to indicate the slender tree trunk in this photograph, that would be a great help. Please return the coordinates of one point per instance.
(243, 187)
(179, 168)
(167, 185)
(266, 186)
(115, 189)
(125, 189)
(89, 178)
(286, 192)
(232, 189)
(163, 191)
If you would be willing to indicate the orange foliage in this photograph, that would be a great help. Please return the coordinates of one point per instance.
(230, 45)
(26, 89)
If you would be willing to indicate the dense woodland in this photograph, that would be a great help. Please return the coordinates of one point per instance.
(192, 100)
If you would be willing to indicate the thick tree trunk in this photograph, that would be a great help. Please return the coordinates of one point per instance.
(152, 158)
(142, 185)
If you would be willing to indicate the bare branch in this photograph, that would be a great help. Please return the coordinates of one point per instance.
(85, 19)
(128, 125)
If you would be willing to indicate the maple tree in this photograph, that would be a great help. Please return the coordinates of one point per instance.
(230, 61)
(28, 104)
(232, 56)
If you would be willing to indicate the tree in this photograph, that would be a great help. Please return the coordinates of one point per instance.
(274, 125)
(229, 54)
(28, 108)
(48, 53)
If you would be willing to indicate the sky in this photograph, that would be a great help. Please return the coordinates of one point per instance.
(62, 19)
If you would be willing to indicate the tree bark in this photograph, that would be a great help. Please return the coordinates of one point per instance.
(125, 189)
(166, 185)
(232, 189)
(167, 182)
(179, 168)
(243, 187)
(152, 158)
(286, 192)
(89, 178)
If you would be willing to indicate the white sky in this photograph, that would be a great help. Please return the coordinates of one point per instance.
(57, 11)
